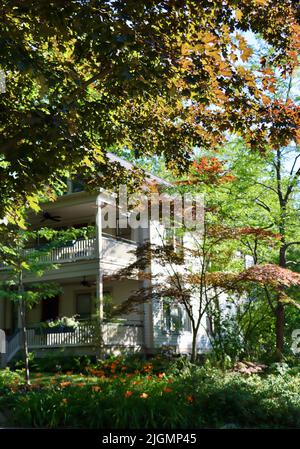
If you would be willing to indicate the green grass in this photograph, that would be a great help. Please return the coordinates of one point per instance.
(181, 397)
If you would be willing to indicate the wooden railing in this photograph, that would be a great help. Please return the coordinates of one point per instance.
(115, 334)
(39, 337)
(86, 334)
(78, 249)
(116, 250)
(127, 334)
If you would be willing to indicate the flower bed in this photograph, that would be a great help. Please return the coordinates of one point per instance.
(114, 395)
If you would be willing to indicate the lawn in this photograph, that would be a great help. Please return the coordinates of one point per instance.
(118, 395)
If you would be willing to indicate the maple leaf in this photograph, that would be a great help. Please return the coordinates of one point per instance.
(270, 274)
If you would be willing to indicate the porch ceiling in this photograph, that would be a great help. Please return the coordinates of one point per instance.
(107, 279)
(66, 214)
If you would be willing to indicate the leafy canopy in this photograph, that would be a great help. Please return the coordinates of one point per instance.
(156, 77)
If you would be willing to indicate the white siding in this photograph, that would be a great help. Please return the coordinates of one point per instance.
(182, 341)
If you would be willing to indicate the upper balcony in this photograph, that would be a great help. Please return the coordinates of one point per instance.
(116, 251)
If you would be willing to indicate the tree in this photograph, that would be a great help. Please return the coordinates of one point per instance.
(268, 197)
(266, 194)
(266, 181)
(255, 197)
(198, 273)
(156, 77)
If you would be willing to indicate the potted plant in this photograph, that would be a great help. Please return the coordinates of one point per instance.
(63, 324)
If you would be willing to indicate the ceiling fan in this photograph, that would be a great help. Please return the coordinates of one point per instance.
(86, 283)
(47, 216)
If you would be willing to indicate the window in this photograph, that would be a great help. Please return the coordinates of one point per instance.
(187, 326)
(84, 305)
(50, 308)
(175, 317)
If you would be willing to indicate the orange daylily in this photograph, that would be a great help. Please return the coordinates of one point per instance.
(148, 368)
(65, 384)
(167, 390)
(128, 393)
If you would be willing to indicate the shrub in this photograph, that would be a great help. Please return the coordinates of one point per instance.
(8, 377)
(54, 363)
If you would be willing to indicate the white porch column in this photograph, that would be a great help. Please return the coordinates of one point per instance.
(99, 277)
(2, 313)
(2, 349)
(148, 310)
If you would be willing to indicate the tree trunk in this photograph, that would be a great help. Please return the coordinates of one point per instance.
(279, 311)
(194, 347)
(23, 329)
(24, 342)
(280, 319)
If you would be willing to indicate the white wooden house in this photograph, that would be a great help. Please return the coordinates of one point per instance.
(85, 269)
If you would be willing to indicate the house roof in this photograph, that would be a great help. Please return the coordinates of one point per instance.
(129, 166)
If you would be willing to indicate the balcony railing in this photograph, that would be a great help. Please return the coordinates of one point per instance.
(116, 250)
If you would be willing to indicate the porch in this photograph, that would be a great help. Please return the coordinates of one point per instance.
(120, 335)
